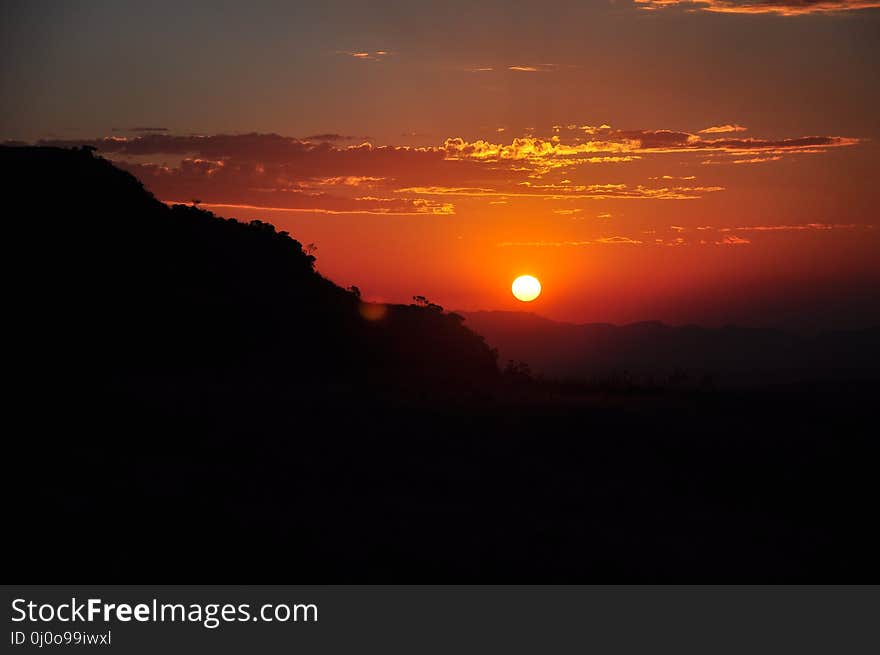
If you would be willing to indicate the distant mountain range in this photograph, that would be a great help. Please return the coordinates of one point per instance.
(653, 351)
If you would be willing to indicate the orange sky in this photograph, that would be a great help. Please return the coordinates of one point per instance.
(706, 162)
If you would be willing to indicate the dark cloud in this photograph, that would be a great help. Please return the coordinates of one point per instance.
(145, 130)
(269, 170)
(656, 138)
(239, 184)
(289, 158)
(330, 137)
(667, 140)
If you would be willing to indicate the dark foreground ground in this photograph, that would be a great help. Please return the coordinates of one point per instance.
(754, 487)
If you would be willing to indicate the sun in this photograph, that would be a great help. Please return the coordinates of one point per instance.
(526, 288)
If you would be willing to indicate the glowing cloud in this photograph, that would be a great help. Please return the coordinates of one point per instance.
(721, 129)
(778, 7)
(364, 55)
(733, 240)
(532, 68)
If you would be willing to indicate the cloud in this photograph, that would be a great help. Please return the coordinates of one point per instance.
(611, 146)
(248, 185)
(376, 210)
(778, 7)
(617, 146)
(796, 228)
(268, 170)
(366, 55)
(330, 137)
(296, 156)
(325, 174)
(571, 192)
(617, 240)
(142, 129)
(721, 129)
(348, 180)
(515, 68)
(659, 141)
(748, 160)
(733, 240)
(725, 238)
(532, 68)
(756, 160)
(639, 142)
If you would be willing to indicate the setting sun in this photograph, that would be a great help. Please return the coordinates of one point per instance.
(526, 288)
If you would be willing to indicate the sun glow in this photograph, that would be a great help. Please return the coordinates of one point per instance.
(526, 288)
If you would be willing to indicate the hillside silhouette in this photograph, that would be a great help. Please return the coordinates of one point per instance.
(190, 398)
(141, 287)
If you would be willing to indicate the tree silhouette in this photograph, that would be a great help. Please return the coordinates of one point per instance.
(422, 301)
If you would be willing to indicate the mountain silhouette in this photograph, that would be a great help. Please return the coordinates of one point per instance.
(654, 352)
(190, 398)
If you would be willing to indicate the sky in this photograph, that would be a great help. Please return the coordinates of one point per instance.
(693, 162)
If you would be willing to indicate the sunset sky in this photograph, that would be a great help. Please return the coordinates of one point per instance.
(693, 162)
